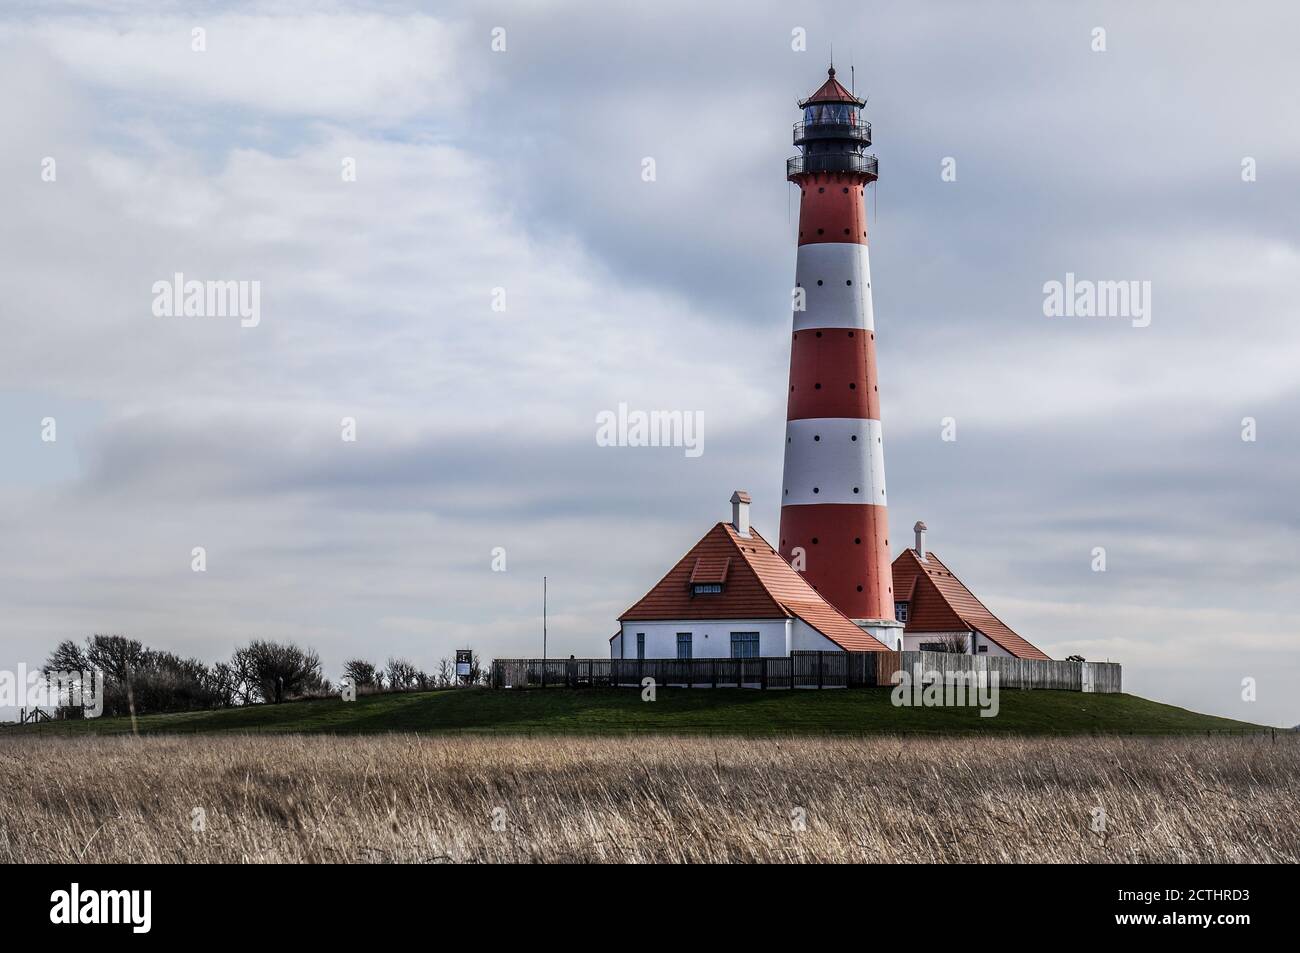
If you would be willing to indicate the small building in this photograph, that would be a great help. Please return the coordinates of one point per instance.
(940, 614)
(734, 596)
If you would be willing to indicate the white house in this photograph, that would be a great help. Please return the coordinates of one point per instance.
(734, 596)
(939, 613)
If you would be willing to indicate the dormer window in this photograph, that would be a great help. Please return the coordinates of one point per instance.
(900, 611)
(709, 574)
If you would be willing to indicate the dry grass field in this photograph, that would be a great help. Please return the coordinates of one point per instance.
(409, 798)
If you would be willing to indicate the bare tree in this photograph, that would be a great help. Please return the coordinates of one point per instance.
(446, 673)
(361, 672)
(136, 678)
(401, 674)
(224, 683)
(275, 671)
(67, 656)
(955, 643)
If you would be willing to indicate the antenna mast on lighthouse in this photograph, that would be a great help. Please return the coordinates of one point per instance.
(834, 527)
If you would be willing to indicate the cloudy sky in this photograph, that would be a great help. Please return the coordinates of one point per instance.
(521, 169)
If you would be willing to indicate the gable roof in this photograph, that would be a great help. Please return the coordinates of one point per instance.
(939, 602)
(759, 584)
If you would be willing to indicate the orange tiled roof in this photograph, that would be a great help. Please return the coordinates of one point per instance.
(939, 602)
(710, 569)
(759, 584)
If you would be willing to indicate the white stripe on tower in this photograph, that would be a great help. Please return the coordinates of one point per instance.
(843, 299)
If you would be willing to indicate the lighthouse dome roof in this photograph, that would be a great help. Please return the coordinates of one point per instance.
(831, 91)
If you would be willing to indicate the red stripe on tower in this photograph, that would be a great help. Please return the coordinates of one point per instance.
(834, 527)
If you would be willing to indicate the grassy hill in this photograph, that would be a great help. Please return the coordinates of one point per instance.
(724, 711)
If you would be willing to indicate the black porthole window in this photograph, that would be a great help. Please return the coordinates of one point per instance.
(817, 386)
(819, 281)
(814, 540)
(857, 540)
(855, 489)
(817, 436)
(816, 489)
(859, 588)
(821, 231)
(852, 386)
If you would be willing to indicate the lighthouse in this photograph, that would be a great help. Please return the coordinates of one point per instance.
(834, 528)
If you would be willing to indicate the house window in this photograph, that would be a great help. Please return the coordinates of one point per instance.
(744, 645)
(933, 647)
(683, 645)
(704, 588)
(640, 645)
(900, 611)
(984, 648)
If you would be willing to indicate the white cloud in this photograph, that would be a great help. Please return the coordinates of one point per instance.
(361, 67)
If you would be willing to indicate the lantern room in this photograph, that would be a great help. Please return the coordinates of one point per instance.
(833, 136)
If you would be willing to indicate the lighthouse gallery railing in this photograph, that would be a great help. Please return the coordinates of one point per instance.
(832, 162)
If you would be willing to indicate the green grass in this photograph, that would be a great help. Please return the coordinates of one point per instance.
(723, 711)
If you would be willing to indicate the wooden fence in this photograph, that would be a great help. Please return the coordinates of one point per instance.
(803, 670)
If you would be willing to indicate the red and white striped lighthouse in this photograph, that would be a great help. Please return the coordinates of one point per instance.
(833, 523)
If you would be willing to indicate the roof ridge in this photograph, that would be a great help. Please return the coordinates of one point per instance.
(735, 542)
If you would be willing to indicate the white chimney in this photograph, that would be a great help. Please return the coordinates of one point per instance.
(740, 512)
(919, 529)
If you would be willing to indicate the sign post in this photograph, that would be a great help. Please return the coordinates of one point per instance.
(464, 664)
